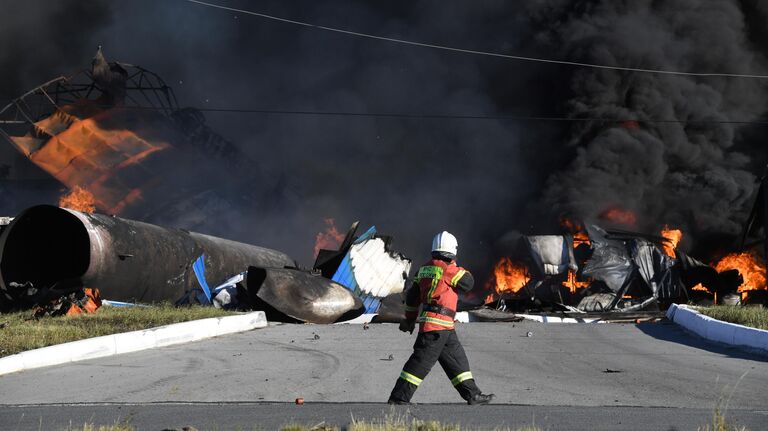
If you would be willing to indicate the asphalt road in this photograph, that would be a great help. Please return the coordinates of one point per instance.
(599, 376)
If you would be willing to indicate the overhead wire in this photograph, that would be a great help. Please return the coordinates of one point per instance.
(477, 52)
(542, 118)
(434, 116)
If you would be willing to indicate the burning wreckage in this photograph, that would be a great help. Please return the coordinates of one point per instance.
(116, 138)
(48, 254)
(57, 258)
(595, 270)
(109, 135)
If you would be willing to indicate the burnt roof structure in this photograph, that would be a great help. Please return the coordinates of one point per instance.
(117, 131)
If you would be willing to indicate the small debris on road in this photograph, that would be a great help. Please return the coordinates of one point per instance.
(610, 371)
(300, 401)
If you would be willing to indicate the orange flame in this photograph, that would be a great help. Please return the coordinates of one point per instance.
(749, 266)
(96, 154)
(79, 199)
(699, 287)
(330, 239)
(508, 277)
(572, 283)
(490, 298)
(673, 237)
(577, 230)
(619, 216)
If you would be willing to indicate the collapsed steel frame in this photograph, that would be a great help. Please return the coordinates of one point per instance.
(44, 99)
(141, 90)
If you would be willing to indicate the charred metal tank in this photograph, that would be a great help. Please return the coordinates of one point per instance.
(289, 294)
(125, 259)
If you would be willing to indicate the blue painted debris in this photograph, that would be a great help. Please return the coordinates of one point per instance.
(371, 271)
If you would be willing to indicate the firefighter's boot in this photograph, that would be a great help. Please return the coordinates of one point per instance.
(480, 399)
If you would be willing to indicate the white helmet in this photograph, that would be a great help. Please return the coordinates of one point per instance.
(445, 242)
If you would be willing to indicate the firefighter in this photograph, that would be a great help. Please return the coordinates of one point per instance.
(435, 288)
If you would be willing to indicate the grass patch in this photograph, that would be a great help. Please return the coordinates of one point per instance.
(754, 317)
(720, 424)
(20, 331)
(92, 427)
(397, 423)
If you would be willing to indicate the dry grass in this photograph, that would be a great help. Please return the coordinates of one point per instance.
(397, 423)
(400, 423)
(20, 331)
(92, 427)
(720, 424)
(754, 317)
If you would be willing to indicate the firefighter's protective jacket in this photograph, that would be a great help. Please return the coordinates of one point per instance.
(435, 290)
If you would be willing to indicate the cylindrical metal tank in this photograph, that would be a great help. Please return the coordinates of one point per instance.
(125, 259)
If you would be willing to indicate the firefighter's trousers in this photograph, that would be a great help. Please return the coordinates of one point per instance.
(431, 347)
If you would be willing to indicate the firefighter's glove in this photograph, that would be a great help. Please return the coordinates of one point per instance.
(407, 325)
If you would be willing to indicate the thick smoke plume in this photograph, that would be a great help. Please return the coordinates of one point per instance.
(689, 174)
(415, 177)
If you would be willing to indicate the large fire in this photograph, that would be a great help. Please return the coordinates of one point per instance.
(619, 216)
(82, 146)
(329, 239)
(749, 266)
(79, 199)
(673, 238)
(508, 277)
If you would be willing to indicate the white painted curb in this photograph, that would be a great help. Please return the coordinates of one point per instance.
(461, 316)
(126, 342)
(555, 319)
(716, 330)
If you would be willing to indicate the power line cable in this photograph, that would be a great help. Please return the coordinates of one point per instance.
(434, 116)
(475, 52)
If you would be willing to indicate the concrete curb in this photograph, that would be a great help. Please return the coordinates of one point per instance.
(461, 316)
(115, 344)
(716, 330)
(555, 319)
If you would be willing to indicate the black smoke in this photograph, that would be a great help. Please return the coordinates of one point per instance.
(415, 177)
(697, 174)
